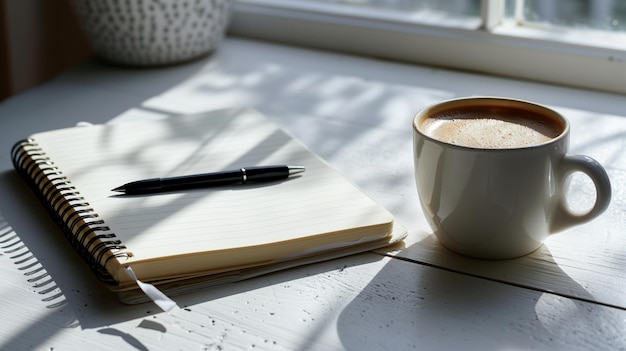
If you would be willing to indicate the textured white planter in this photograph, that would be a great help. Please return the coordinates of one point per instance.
(153, 32)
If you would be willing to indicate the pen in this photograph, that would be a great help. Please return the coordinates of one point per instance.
(242, 176)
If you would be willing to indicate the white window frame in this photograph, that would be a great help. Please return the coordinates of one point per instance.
(585, 59)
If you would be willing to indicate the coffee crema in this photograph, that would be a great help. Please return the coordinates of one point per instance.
(489, 127)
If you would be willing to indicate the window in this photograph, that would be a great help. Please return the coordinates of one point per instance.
(580, 43)
(605, 15)
(456, 7)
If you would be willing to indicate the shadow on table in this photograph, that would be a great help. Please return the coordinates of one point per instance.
(69, 293)
(409, 305)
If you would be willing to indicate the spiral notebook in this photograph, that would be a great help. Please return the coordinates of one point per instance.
(186, 240)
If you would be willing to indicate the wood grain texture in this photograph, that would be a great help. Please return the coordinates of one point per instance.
(364, 302)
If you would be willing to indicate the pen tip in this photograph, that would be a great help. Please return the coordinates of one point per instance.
(119, 189)
(296, 169)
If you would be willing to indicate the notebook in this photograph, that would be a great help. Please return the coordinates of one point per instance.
(186, 240)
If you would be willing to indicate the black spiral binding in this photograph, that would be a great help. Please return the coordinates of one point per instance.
(82, 226)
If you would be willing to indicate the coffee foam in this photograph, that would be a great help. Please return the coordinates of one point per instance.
(501, 129)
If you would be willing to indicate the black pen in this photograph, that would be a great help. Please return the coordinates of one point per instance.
(241, 176)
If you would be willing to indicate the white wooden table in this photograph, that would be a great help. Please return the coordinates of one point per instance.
(356, 113)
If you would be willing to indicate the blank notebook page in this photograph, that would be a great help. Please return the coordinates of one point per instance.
(317, 208)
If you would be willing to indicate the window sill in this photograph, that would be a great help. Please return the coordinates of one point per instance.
(522, 53)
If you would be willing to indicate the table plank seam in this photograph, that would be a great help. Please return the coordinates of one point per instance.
(502, 281)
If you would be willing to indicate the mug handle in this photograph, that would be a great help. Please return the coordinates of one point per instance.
(564, 217)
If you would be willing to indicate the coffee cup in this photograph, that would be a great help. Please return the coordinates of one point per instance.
(492, 175)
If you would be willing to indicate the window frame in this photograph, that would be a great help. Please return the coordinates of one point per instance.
(489, 45)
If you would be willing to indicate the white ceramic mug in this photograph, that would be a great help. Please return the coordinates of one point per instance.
(499, 202)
